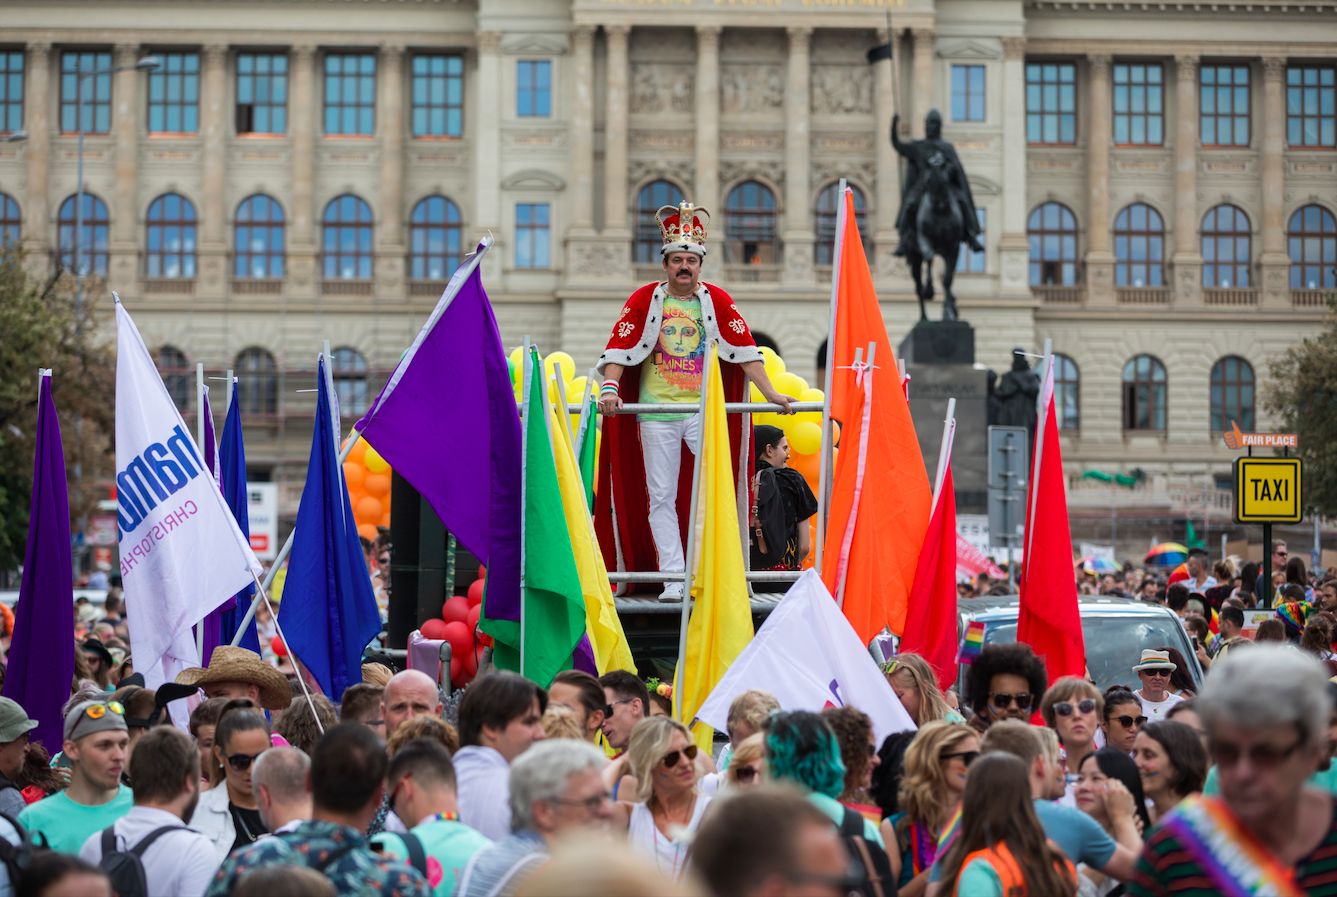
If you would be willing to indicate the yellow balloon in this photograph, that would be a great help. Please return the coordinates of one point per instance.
(767, 418)
(754, 394)
(805, 437)
(374, 463)
(559, 361)
(811, 395)
(578, 390)
(790, 384)
(773, 363)
(517, 366)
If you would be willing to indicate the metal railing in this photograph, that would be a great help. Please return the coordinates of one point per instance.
(1230, 296)
(1143, 295)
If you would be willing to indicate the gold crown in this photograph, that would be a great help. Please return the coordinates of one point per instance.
(680, 238)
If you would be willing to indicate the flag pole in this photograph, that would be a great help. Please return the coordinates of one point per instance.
(585, 418)
(824, 471)
(297, 667)
(525, 373)
(199, 442)
(689, 558)
(867, 386)
(561, 396)
(944, 450)
(1039, 447)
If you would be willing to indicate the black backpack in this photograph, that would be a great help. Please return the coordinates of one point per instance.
(125, 868)
(16, 857)
(877, 881)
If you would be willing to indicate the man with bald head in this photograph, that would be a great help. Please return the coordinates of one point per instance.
(278, 778)
(409, 694)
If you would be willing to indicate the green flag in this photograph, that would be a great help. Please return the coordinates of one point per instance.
(586, 451)
(553, 613)
(1191, 537)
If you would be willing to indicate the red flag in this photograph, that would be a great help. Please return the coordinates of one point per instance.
(930, 623)
(1049, 619)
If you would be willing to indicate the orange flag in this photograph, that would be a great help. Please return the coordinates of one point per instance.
(881, 495)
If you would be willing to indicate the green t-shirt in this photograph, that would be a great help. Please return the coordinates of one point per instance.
(449, 846)
(66, 825)
(672, 372)
(979, 880)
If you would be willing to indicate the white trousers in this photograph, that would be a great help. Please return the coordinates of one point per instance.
(661, 443)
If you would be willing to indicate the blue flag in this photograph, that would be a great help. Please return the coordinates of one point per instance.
(41, 653)
(328, 614)
(232, 479)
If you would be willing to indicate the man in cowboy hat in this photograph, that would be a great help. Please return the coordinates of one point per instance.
(1154, 670)
(657, 353)
(239, 673)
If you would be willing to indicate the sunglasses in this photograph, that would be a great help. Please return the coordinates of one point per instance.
(1262, 756)
(967, 757)
(1065, 708)
(747, 774)
(610, 709)
(1129, 721)
(241, 762)
(1156, 674)
(670, 759)
(97, 711)
(1003, 701)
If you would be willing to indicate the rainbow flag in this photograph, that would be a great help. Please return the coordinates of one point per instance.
(972, 643)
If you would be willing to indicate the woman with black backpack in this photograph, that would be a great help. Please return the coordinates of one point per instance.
(781, 502)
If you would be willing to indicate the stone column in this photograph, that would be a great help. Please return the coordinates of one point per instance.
(615, 133)
(1274, 262)
(303, 112)
(581, 208)
(1099, 258)
(887, 196)
(126, 215)
(797, 233)
(708, 125)
(1009, 233)
(37, 155)
(922, 67)
(487, 151)
(390, 250)
(1187, 259)
(213, 268)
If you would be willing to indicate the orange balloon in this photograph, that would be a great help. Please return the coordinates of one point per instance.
(367, 510)
(367, 531)
(377, 485)
(808, 465)
(385, 519)
(359, 449)
(811, 559)
(354, 475)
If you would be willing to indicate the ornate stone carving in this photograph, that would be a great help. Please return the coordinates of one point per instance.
(662, 141)
(862, 173)
(753, 142)
(1274, 68)
(598, 261)
(1014, 47)
(661, 87)
(842, 89)
(490, 41)
(734, 170)
(1187, 65)
(642, 171)
(1100, 63)
(751, 88)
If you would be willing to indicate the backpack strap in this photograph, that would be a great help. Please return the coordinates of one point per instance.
(147, 841)
(852, 830)
(336, 854)
(851, 826)
(417, 854)
(109, 840)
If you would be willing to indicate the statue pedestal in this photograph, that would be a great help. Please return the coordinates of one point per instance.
(940, 356)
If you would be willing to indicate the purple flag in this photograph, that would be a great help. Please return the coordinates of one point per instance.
(213, 623)
(446, 421)
(41, 654)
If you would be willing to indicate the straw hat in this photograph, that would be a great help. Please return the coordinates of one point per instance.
(229, 664)
(1155, 660)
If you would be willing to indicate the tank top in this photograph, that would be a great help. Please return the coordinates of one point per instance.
(668, 853)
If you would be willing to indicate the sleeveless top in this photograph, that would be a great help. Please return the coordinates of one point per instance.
(668, 853)
(1006, 867)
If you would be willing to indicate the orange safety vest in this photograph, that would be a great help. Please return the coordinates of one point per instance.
(1005, 865)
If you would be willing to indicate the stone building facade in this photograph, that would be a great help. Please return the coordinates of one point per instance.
(1156, 181)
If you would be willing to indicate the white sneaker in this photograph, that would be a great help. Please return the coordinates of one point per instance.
(672, 592)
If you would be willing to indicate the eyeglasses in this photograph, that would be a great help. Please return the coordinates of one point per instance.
(890, 666)
(1262, 756)
(967, 757)
(1129, 721)
(1281, 553)
(242, 762)
(1003, 701)
(670, 759)
(592, 804)
(1156, 674)
(1065, 708)
(97, 711)
(610, 709)
(747, 774)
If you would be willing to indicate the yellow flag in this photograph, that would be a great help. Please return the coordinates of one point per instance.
(721, 621)
(611, 651)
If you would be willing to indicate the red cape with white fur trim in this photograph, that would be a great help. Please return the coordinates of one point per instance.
(622, 505)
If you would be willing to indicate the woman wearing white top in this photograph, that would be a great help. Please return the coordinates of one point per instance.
(668, 807)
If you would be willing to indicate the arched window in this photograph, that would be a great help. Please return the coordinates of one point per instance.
(1226, 252)
(828, 214)
(258, 239)
(90, 244)
(1313, 248)
(649, 241)
(1144, 394)
(1232, 394)
(176, 375)
(350, 380)
(434, 239)
(257, 381)
(1052, 230)
(346, 239)
(749, 225)
(10, 220)
(1067, 393)
(170, 250)
(1139, 247)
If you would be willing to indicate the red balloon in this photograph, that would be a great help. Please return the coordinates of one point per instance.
(482, 572)
(456, 670)
(276, 645)
(472, 621)
(485, 640)
(455, 609)
(460, 638)
(475, 593)
(433, 629)
(470, 665)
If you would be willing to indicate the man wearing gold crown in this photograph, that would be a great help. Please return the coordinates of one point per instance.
(657, 354)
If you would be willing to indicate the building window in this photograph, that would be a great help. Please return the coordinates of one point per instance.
(346, 239)
(967, 93)
(11, 91)
(532, 221)
(257, 381)
(174, 94)
(1052, 231)
(1051, 102)
(258, 239)
(177, 376)
(262, 93)
(1312, 239)
(94, 90)
(1232, 394)
(438, 95)
(1144, 394)
(350, 93)
(1311, 105)
(1226, 252)
(11, 221)
(533, 88)
(434, 239)
(1067, 393)
(749, 225)
(84, 251)
(968, 261)
(651, 198)
(1139, 93)
(170, 248)
(350, 380)
(1224, 105)
(1139, 247)
(828, 216)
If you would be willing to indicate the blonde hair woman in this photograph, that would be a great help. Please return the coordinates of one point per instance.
(934, 780)
(667, 808)
(916, 685)
(748, 766)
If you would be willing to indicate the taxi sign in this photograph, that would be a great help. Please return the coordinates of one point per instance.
(1267, 490)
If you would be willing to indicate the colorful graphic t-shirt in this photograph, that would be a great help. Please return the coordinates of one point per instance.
(672, 373)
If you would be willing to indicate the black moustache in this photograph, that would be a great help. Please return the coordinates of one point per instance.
(684, 271)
